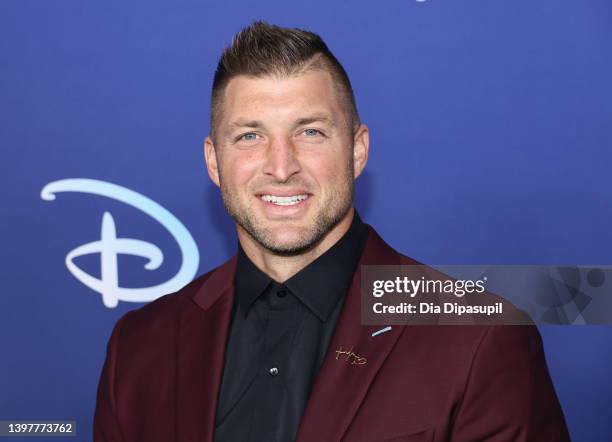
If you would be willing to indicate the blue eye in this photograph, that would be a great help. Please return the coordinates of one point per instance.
(312, 131)
(251, 136)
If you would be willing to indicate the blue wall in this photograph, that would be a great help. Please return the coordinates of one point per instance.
(491, 126)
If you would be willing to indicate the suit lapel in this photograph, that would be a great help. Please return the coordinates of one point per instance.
(344, 378)
(202, 336)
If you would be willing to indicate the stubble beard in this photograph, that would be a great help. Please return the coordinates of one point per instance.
(330, 215)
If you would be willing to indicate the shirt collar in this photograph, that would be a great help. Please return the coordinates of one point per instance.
(319, 285)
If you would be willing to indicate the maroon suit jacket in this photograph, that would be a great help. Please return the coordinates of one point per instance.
(161, 377)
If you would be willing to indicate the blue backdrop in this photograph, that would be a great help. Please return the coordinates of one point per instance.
(491, 127)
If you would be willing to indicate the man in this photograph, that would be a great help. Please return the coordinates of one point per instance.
(253, 350)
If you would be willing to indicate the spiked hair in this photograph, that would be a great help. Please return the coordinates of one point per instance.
(262, 49)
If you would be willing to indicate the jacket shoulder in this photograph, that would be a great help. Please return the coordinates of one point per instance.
(161, 315)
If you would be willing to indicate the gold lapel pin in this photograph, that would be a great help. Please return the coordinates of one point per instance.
(350, 356)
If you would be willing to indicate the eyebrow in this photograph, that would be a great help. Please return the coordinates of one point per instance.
(257, 124)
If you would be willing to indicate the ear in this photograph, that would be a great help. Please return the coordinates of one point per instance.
(210, 155)
(361, 145)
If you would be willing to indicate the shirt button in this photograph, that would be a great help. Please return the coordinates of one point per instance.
(273, 371)
(281, 293)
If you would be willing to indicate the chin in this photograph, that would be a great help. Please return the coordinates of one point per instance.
(287, 238)
(291, 242)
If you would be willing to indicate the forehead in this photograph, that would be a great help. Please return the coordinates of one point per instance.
(281, 97)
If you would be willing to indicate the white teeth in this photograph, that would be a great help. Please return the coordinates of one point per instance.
(284, 200)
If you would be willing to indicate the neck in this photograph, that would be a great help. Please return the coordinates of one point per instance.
(281, 268)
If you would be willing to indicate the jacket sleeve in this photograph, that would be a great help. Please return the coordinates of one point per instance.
(509, 395)
(106, 424)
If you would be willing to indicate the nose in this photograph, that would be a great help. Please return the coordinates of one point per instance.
(281, 159)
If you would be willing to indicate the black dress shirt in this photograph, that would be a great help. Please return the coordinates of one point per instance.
(277, 340)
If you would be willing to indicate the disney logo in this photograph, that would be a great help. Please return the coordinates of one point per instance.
(109, 246)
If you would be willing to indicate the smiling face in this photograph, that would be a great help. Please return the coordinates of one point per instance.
(285, 159)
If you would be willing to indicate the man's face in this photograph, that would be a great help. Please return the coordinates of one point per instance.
(285, 159)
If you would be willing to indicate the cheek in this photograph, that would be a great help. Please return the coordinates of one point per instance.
(238, 170)
(331, 171)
